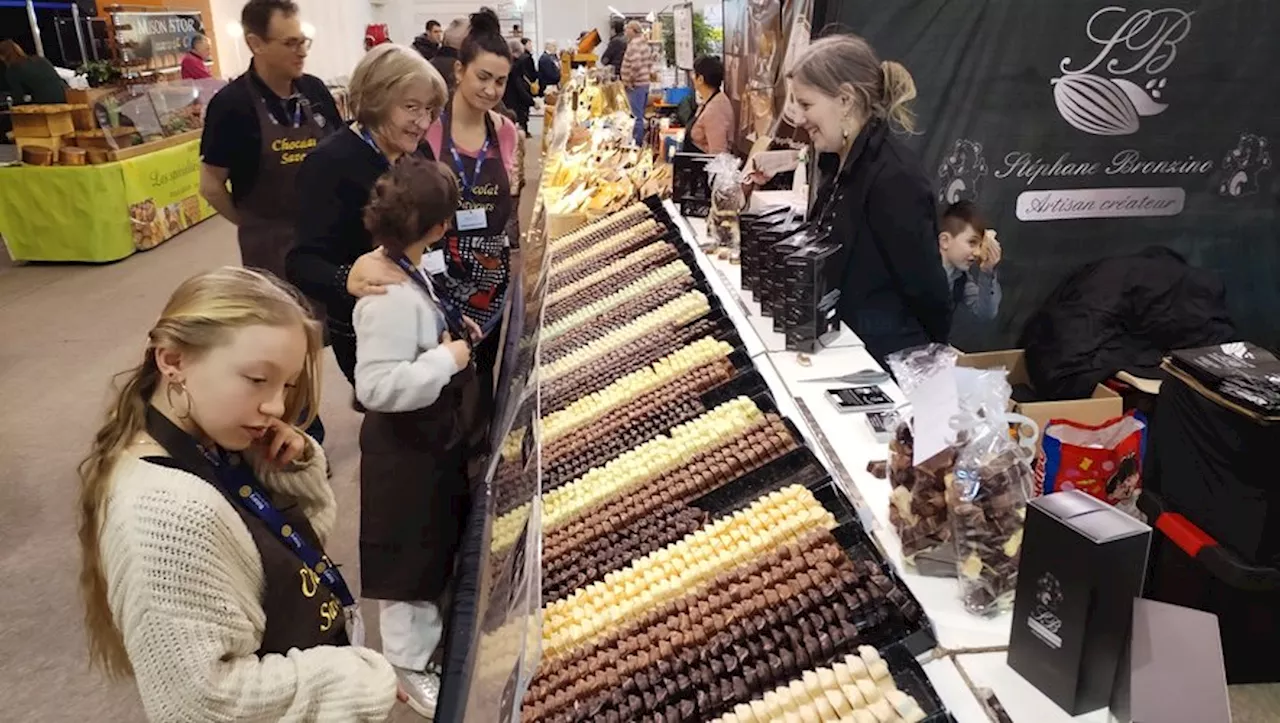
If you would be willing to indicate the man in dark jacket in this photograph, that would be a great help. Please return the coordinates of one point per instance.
(617, 47)
(518, 95)
(429, 42)
(446, 59)
(548, 68)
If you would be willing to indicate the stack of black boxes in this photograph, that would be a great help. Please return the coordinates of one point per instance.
(794, 272)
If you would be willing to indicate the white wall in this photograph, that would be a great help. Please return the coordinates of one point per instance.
(338, 34)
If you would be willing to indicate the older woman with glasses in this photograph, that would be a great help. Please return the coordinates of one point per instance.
(395, 96)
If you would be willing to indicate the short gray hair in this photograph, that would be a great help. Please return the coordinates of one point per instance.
(381, 76)
(457, 32)
(516, 46)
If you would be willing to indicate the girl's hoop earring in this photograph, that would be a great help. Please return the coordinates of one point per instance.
(181, 387)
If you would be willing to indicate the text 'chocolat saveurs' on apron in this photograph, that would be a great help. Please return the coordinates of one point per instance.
(268, 212)
(478, 249)
(306, 599)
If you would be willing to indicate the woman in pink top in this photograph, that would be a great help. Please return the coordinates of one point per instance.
(480, 146)
(712, 128)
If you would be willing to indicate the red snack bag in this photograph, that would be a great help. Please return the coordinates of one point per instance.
(1104, 460)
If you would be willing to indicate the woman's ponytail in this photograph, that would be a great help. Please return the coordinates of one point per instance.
(899, 91)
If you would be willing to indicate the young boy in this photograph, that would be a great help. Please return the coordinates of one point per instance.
(970, 254)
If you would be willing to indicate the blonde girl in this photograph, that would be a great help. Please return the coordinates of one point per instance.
(203, 517)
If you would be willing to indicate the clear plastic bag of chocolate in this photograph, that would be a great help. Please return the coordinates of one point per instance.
(727, 202)
(918, 508)
(988, 492)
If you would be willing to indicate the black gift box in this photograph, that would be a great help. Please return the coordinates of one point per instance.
(811, 294)
(755, 263)
(771, 291)
(690, 186)
(750, 225)
(1082, 565)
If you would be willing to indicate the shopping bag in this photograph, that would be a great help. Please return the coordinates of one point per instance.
(1104, 460)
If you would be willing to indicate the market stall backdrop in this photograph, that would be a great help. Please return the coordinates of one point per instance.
(1092, 128)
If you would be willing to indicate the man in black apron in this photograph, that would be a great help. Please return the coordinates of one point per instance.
(258, 129)
(479, 246)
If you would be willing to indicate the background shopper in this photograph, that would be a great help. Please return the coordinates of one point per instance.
(636, 74)
(31, 79)
(712, 128)
(518, 96)
(873, 195)
(193, 62)
(446, 60)
(395, 95)
(617, 47)
(416, 379)
(428, 44)
(481, 146)
(548, 68)
(188, 586)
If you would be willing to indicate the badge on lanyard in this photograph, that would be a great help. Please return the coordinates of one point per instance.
(472, 219)
(434, 262)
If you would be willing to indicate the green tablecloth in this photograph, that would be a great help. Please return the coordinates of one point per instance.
(103, 212)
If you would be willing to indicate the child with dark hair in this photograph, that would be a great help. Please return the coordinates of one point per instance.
(970, 253)
(415, 377)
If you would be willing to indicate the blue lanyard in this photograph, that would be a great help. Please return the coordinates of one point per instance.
(238, 481)
(465, 185)
(368, 138)
(453, 317)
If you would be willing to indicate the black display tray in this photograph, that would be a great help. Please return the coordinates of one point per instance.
(912, 680)
(798, 466)
(918, 637)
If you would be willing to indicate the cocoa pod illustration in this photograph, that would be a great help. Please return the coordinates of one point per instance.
(1094, 105)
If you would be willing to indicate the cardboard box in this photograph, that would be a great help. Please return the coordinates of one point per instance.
(1103, 405)
(1083, 564)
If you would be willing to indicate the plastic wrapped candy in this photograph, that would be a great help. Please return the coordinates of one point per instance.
(918, 508)
(727, 201)
(988, 494)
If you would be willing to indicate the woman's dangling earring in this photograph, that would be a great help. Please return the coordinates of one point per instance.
(186, 397)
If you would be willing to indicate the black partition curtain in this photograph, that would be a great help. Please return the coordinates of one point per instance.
(1090, 128)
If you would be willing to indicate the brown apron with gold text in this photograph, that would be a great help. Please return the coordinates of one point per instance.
(268, 213)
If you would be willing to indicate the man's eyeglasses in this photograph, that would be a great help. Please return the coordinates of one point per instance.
(296, 44)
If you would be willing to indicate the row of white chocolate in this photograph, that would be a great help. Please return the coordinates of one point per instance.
(636, 466)
(677, 569)
(635, 209)
(606, 245)
(674, 270)
(680, 310)
(858, 689)
(635, 257)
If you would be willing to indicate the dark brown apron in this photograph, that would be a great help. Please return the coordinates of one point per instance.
(689, 146)
(268, 213)
(415, 491)
(301, 612)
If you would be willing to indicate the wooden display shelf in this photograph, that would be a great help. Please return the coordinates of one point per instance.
(143, 148)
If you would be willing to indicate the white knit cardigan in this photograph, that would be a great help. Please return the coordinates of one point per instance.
(185, 586)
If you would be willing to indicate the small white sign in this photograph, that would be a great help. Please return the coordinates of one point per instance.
(1061, 204)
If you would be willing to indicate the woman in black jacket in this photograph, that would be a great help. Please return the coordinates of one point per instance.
(395, 95)
(872, 195)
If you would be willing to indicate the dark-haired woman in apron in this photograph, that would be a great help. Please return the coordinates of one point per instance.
(479, 247)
